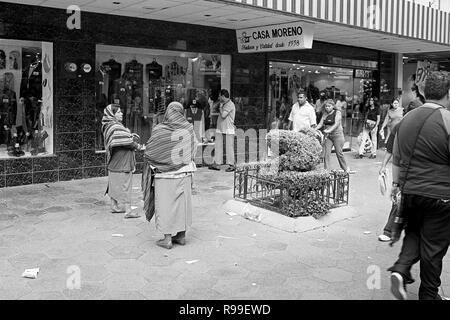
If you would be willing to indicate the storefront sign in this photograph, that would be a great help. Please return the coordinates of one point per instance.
(290, 36)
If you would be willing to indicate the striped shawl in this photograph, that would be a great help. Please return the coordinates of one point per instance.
(172, 144)
(114, 132)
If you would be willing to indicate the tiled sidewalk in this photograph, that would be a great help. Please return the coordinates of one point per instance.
(67, 227)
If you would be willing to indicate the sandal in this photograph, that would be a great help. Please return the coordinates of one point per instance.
(163, 244)
(130, 215)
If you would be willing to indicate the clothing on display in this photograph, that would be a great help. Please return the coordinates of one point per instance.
(31, 84)
(8, 106)
(114, 72)
(2, 59)
(14, 60)
(154, 70)
(195, 116)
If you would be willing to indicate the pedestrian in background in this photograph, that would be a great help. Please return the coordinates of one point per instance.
(303, 115)
(331, 125)
(370, 129)
(169, 154)
(225, 131)
(387, 231)
(421, 172)
(418, 100)
(393, 117)
(120, 145)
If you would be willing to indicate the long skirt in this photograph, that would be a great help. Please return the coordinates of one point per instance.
(119, 186)
(173, 204)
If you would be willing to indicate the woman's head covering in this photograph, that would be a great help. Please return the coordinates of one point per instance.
(114, 132)
(172, 144)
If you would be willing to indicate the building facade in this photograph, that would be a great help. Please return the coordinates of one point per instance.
(56, 77)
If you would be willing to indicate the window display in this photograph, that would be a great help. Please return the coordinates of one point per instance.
(26, 98)
(144, 81)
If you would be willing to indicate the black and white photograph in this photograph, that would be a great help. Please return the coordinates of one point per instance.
(227, 157)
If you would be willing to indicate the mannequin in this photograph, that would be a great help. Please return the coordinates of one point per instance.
(195, 116)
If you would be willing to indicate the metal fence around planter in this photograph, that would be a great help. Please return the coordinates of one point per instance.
(251, 187)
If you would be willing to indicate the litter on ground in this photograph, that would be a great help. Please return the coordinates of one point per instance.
(117, 235)
(192, 261)
(30, 273)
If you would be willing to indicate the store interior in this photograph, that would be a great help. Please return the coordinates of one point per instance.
(144, 81)
(350, 88)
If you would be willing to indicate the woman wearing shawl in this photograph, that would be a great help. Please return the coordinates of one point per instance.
(167, 177)
(120, 145)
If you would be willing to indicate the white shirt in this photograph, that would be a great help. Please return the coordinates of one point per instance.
(226, 125)
(302, 117)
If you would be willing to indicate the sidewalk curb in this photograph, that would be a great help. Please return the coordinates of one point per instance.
(284, 223)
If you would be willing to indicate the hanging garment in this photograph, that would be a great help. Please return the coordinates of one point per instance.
(14, 60)
(114, 70)
(31, 84)
(154, 70)
(2, 59)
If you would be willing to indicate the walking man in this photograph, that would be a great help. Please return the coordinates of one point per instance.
(303, 115)
(421, 171)
(225, 131)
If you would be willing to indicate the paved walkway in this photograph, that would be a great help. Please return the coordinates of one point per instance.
(66, 229)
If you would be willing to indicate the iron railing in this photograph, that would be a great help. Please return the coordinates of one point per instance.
(269, 194)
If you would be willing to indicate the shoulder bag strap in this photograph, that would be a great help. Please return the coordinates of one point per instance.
(415, 143)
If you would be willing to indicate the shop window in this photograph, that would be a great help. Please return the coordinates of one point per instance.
(144, 81)
(349, 88)
(26, 102)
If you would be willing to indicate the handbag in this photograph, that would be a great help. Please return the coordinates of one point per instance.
(397, 210)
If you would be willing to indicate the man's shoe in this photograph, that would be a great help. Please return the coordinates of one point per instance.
(359, 156)
(214, 167)
(373, 156)
(398, 288)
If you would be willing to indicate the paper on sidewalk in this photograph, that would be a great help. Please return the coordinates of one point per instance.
(117, 235)
(192, 261)
(30, 273)
(223, 237)
(232, 214)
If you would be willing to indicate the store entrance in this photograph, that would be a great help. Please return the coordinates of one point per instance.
(348, 88)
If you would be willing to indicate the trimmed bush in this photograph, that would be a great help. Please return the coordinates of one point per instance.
(299, 151)
(295, 172)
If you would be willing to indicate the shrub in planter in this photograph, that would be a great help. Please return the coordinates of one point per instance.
(299, 151)
(302, 198)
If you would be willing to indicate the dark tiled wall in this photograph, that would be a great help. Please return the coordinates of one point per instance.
(74, 98)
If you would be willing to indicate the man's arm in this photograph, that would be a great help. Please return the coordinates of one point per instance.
(387, 158)
(224, 110)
